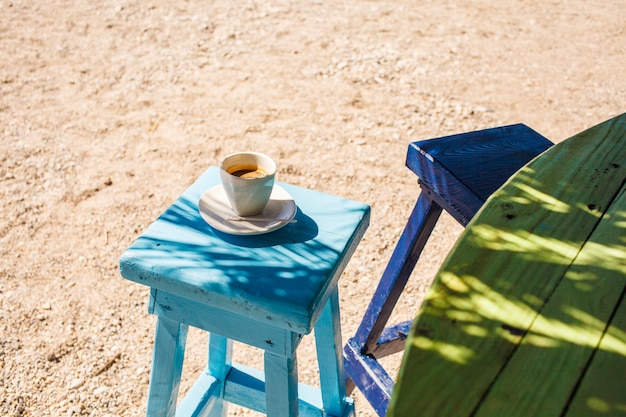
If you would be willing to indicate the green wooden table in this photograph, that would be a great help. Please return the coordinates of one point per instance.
(527, 316)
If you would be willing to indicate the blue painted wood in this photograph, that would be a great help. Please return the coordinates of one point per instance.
(465, 169)
(360, 363)
(329, 344)
(281, 385)
(397, 272)
(167, 364)
(206, 396)
(201, 399)
(369, 376)
(457, 173)
(266, 291)
(220, 364)
(392, 339)
(246, 386)
(219, 321)
(281, 277)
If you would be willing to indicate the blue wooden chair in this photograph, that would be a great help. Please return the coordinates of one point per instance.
(456, 173)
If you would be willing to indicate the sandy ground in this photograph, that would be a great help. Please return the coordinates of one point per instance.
(110, 109)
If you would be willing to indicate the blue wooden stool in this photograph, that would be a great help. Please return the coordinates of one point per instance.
(457, 174)
(265, 290)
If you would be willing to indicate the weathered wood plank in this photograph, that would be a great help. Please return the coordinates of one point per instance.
(561, 341)
(603, 389)
(528, 234)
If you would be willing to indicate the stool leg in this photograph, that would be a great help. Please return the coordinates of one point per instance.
(220, 360)
(329, 355)
(167, 366)
(206, 397)
(281, 386)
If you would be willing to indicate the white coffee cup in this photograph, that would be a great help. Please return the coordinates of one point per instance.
(248, 179)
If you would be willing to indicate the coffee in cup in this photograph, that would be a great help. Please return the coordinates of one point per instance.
(248, 172)
(248, 180)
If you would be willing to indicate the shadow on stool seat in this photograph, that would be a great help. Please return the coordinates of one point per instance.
(265, 290)
(457, 174)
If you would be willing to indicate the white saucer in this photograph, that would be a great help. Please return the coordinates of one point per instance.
(216, 210)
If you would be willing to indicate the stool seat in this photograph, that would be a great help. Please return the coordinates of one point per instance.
(265, 290)
(456, 173)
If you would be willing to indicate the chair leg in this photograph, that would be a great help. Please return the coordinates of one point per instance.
(281, 386)
(408, 250)
(372, 379)
(359, 353)
(167, 366)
